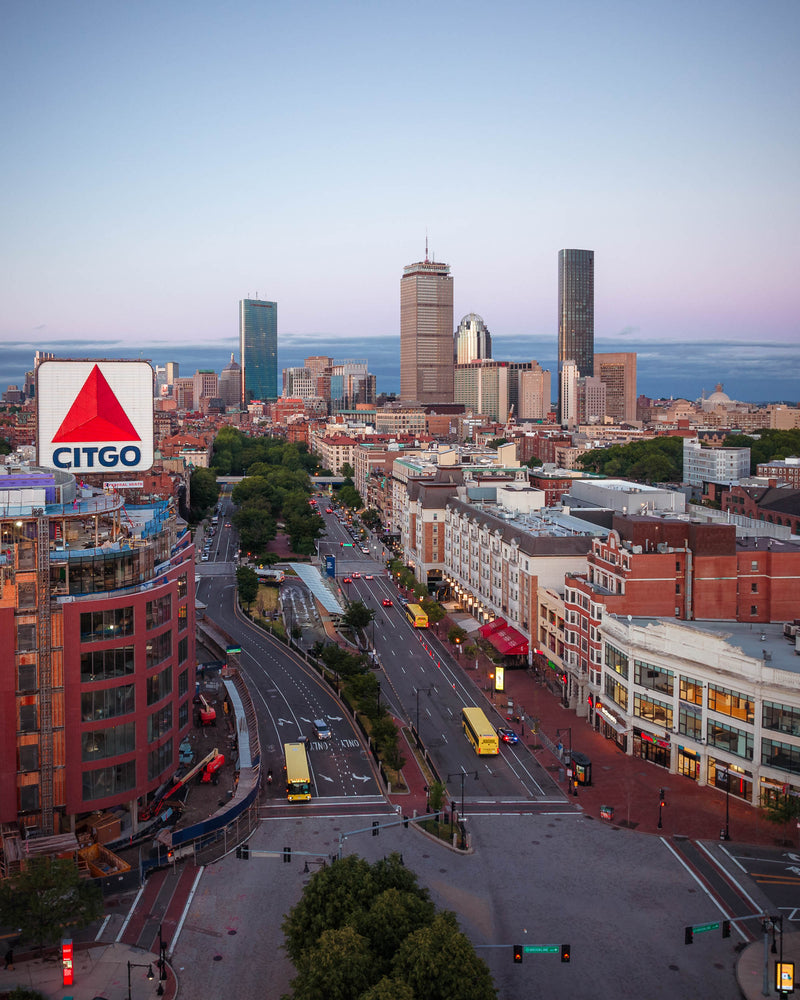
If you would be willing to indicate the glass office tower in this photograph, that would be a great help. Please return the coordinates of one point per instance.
(258, 348)
(576, 311)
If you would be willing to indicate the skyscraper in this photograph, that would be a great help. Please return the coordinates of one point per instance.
(618, 372)
(258, 349)
(426, 332)
(473, 342)
(575, 311)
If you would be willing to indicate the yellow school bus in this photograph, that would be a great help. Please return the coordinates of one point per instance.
(416, 616)
(298, 778)
(479, 731)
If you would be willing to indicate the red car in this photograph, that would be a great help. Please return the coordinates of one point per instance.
(328, 510)
(387, 602)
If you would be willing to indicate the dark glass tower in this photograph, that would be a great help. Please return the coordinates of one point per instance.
(575, 311)
(258, 346)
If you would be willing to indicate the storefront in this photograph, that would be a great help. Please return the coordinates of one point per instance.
(611, 727)
(656, 749)
(688, 763)
(730, 778)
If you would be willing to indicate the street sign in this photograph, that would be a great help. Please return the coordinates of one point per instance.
(541, 949)
(700, 928)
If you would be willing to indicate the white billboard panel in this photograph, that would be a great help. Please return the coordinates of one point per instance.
(95, 416)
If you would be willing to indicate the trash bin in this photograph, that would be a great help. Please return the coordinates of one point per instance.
(607, 812)
(582, 768)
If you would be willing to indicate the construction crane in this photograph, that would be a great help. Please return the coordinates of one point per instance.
(161, 797)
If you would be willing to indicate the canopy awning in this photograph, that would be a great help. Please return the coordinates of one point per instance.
(509, 641)
(491, 627)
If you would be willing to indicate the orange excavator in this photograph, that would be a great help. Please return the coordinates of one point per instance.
(213, 760)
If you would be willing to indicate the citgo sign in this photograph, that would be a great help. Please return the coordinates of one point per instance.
(95, 416)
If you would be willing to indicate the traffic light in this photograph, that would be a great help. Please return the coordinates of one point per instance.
(405, 822)
(564, 952)
(238, 850)
(662, 797)
(375, 828)
(517, 952)
(246, 852)
(726, 928)
(287, 855)
(688, 935)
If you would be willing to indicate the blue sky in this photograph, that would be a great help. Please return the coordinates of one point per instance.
(163, 160)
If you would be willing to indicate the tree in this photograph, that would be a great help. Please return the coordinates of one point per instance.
(371, 518)
(419, 962)
(388, 989)
(783, 809)
(433, 610)
(534, 462)
(393, 915)
(339, 967)
(347, 471)
(203, 492)
(350, 497)
(46, 897)
(358, 615)
(456, 635)
(247, 582)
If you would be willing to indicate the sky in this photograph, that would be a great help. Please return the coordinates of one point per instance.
(164, 160)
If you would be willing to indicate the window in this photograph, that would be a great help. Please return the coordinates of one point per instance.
(182, 586)
(732, 703)
(108, 703)
(159, 686)
(183, 683)
(753, 588)
(183, 714)
(159, 760)
(655, 678)
(26, 677)
(754, 609)
(109, 780)
(108, 742)
(652, 710)
(26, 637)
(725, 737)
(691, 690)
(616, 660)
(159, 723)
(690, 722)
(28, 718)
(183, 617)
(29, 758)
(106, 664)
(97, 626)
(159, 611)
(784, 756)
(29, 798)
(159, 648)
(616, 691)
(183, 650)
(783, 718)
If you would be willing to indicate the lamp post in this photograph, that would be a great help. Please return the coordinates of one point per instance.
(726, 833)
(162, 963)
(138, 965)
(462, 775)
(572, 773)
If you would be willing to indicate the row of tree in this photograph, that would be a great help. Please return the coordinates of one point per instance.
(658, 460)
(370, 932)
(767, 446)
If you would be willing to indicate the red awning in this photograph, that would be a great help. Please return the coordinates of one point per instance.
(509, 641)
(491, 627)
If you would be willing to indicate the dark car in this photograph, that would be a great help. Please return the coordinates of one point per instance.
(508, 736)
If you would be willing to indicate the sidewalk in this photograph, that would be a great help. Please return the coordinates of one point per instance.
(100, 971)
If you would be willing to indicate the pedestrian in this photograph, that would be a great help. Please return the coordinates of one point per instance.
(9, 960)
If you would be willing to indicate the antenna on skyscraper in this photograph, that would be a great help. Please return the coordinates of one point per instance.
(426, 246)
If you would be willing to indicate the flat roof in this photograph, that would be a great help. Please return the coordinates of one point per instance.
(313, 579)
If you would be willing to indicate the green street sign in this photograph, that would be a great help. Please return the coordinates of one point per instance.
(541, 949)
(699, 928)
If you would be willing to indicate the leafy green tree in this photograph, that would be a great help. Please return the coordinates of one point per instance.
(347, 471)
(47, 897)
(371, 518)
(496, 442)
(456, 635)
(436, 796)
(783, 809)
(350, 497)
(433, 610)
(247, 583)
(5, 447)
(339, 967)
(256, 527)
(393, 915)
(358, 615)
(203, 492)
(534, 462)
(388, 989)
(420, 963)
(656, 460)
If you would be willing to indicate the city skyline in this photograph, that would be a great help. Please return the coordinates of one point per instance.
(666, 152)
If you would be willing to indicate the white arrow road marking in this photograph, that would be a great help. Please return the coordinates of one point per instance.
(359, 777)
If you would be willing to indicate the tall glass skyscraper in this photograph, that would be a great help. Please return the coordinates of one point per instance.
(258, 347)
(575, 311)
(473, 342)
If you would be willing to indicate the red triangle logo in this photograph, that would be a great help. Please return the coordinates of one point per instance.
(96, 415)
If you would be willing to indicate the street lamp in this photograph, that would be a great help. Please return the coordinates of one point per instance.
(462, 775)
(138, 965)
(571, 769)
(162, 963)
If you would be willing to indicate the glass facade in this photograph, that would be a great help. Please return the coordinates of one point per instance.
(258, 346)
(576, 311)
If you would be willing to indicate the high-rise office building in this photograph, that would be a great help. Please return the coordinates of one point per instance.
(473, 342)
(258, 349)
(618, 373)
(575, 312)
(534, 401)
(230, 383)
(482, 386)
(426, 332)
